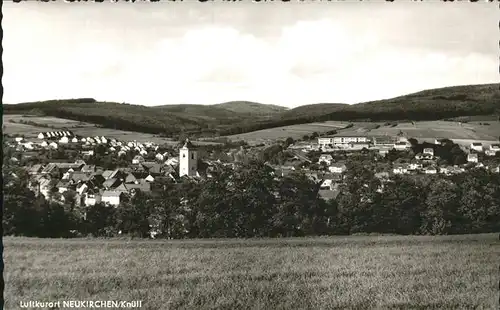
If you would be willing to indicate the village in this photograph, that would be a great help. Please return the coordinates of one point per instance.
(144, 165)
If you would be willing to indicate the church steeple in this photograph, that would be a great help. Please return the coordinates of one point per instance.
(188, 159)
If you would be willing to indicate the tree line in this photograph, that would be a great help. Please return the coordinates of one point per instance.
(249, 201)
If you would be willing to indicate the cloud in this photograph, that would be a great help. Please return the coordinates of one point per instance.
(308, 61)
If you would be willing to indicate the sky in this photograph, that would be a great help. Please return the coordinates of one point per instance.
(288, 54)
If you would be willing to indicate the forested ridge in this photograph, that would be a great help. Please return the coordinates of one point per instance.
(239, 117)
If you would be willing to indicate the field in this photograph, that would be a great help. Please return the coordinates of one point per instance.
(357, 272)
(12, 125)
(294, 131)
(464, 133)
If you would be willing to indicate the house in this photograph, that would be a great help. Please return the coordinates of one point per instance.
(44, 186)
(337, 168)
(174, 161)
(149, 178)
(18, 139)
(495, 169)
(64, 140)
(327, 158)
(328, 194)
(387, 141)
(400, 169)
(53, 145)
(472, 158)
(414, 166)
(421, 156)
(51, 169)
(92, 197)
(428, 151)
(44, 144)
(490, 153)
(130, 178)
(495, 147)
(137, 160)
(152, 167)
(400, 146)
(74, 140)
(430, 170)
(327, 184)
(112, 197)
(78, 177)
(476, 146)
(63, 186)
(35, 169)
(88, 152)
(160, 157)
(88, 168)
(41, 136)
(382, 175)
(111, 183)
(383, 151)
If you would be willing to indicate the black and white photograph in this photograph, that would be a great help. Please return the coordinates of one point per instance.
(251, 154)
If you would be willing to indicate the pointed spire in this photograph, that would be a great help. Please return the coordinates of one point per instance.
(188, 144)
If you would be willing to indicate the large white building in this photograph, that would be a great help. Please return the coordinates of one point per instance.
(342, 140)
(188, 160)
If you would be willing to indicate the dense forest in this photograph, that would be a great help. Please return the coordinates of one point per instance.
(239, 117)
(251, 202)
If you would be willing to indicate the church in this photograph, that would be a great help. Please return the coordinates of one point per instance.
(188, 160)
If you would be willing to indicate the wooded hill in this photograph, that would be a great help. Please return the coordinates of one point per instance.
(240, 116)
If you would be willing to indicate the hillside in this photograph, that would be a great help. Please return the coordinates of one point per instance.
(313, 110)
(253, 108)
(239, 116)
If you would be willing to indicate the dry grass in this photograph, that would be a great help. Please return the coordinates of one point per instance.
(363, 272)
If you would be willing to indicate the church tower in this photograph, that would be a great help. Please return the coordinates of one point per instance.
(188, 160)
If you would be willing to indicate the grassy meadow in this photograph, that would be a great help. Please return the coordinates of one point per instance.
(464, 134)
(79, 128)
(357, 272)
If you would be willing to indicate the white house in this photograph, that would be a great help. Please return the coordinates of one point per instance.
(174, 161)
(111, 197)
(472, 158)
(490, 153)
(53, 145)
(143, 152)
(327, 158)
(476, 146)
(149, 178)
(401, 146)
(430, 170)
(92, 198)
(104, 140)
(41, 136)
(327, 184)
(414, 166)
(137, 160)
(160, 156)
(429, 151)
(337, 168)
(495, 147)
(74, 140)
(44, 144)
(400, 169)
(18, 139)
(64, 140)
